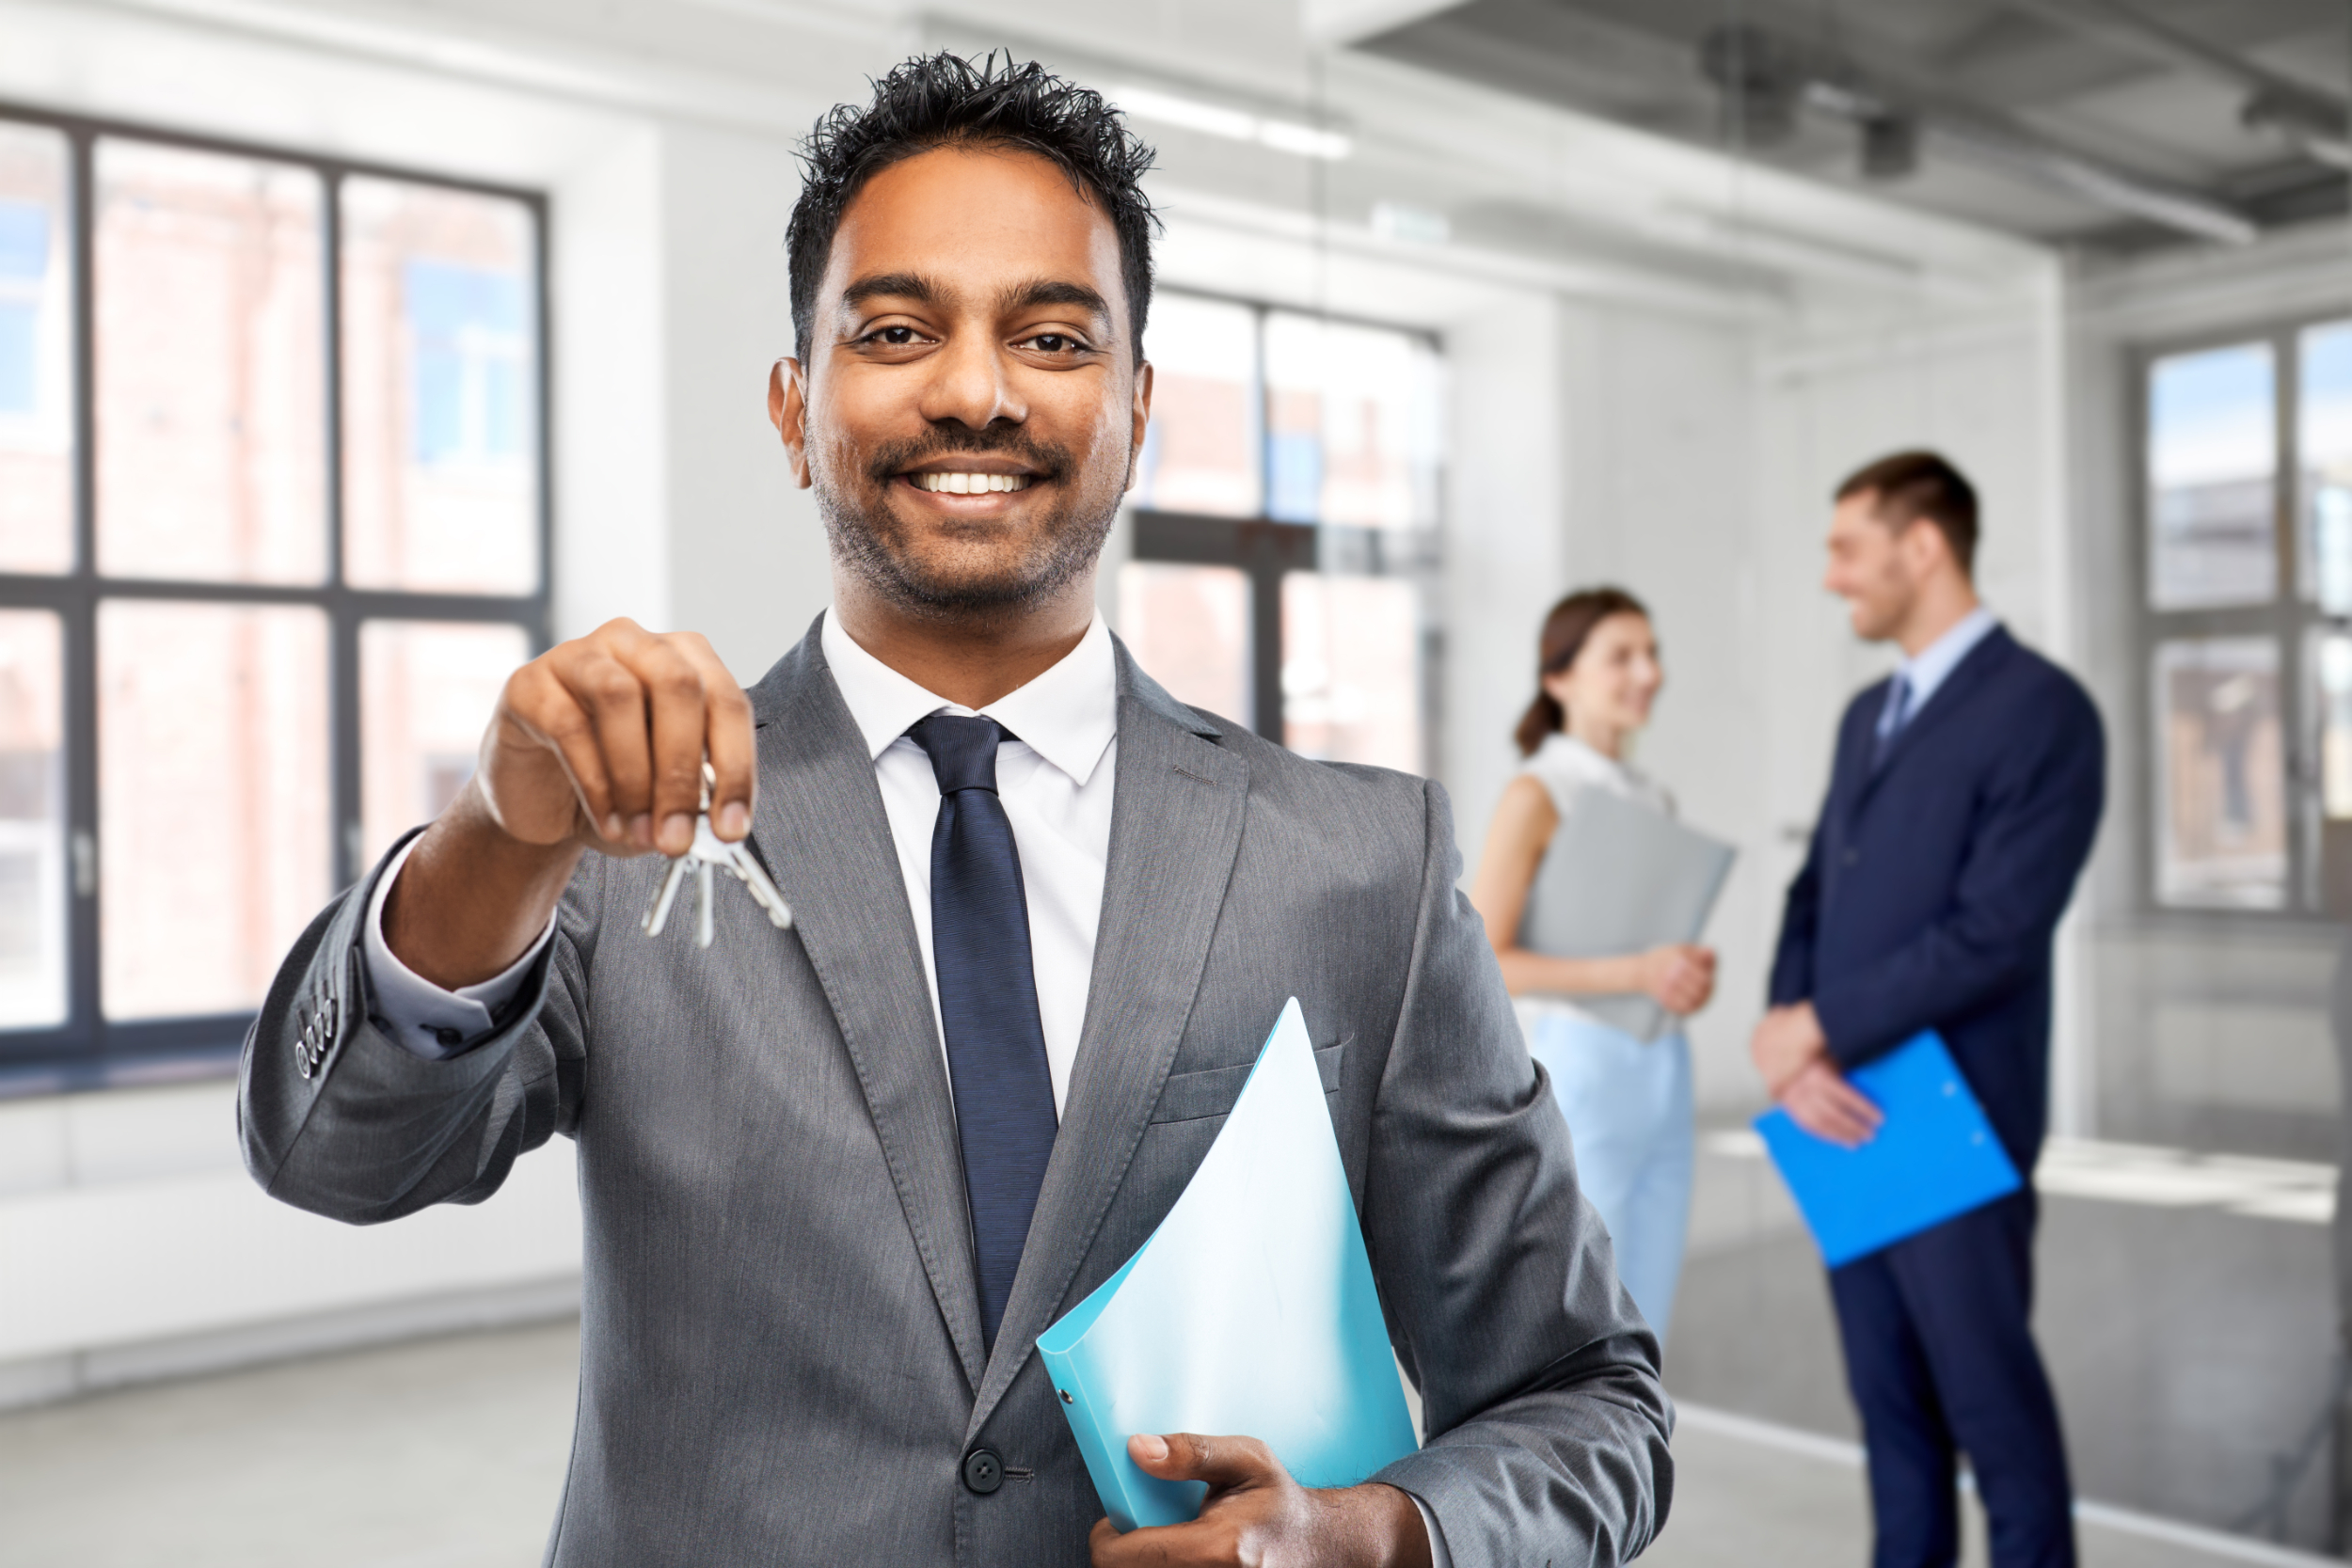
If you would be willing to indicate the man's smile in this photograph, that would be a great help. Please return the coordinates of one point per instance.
(982, 483)
(968, 483)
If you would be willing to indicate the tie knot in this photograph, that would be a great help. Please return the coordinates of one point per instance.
(962, 750)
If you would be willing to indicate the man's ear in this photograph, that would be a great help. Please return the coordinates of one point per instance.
(1143, 419)
(787, 410)
(1925, 550)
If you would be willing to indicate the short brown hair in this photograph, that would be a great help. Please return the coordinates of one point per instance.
(1912, 485)
(1566, 630)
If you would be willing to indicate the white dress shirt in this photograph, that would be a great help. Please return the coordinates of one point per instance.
(1056, 784)
(1056, 781)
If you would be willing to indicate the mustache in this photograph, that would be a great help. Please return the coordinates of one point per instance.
(1001, 438)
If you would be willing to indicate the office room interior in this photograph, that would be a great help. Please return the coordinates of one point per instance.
(353, 351)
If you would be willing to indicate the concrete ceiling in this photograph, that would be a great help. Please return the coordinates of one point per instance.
(2112, 123)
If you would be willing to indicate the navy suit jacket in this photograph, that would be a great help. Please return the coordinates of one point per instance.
(1936, 879)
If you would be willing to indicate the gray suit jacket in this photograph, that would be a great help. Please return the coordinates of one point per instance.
(781, 1357)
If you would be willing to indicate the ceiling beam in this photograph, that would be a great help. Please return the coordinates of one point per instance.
(1766, 76)
(2312, 117)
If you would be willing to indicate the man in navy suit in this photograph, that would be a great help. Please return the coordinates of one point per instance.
(1962, 804)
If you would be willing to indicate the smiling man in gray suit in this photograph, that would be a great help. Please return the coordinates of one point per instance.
(837, 1179)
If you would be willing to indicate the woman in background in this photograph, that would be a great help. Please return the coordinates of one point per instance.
(1628, 1103)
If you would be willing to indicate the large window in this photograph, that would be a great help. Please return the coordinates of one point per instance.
(1287, 502)
(2249, 609)
(273, 529)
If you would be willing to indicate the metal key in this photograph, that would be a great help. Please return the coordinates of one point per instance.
(707, 854)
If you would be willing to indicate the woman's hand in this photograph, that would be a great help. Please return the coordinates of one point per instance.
(1680, 977)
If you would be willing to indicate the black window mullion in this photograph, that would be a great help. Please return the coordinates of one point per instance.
(2295, 708)
(342, 694)
(79, 606)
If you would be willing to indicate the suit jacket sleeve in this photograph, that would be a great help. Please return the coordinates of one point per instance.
(2034, 826)
(1540, 1392)
(337, 1118)
(1792, 962)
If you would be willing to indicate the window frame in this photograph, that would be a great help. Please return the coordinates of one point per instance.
(88, 1051)
(2288, 621)
(1267, 549)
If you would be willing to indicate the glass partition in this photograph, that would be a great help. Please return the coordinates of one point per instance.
(440, 393)
(2211, 473)
(210, 361)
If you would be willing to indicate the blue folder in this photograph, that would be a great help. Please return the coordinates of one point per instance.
(1249, 1311)
(1935, 1157)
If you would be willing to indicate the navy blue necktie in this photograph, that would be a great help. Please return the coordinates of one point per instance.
(987, 1001)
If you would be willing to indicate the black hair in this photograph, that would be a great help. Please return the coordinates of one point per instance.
(945, 99)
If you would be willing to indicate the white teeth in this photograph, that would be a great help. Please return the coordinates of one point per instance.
(971, 485)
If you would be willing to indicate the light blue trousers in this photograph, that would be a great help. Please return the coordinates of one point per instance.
(1628, 1111)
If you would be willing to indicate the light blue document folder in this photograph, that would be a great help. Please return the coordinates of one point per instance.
(1935, 1157)
(1250, 1311)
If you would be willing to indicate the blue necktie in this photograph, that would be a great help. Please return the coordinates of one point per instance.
(1896, 714)
(987, 1001)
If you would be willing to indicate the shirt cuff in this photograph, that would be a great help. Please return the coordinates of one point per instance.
(1438, 1556)
(425, 1020)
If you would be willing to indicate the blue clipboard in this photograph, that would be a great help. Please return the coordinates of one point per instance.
(1935, 1156)
(1250, 1310)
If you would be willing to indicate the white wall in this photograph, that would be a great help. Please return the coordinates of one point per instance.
(132, 1245)
(746, 560)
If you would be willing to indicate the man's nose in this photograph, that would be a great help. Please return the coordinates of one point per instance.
(968, 384)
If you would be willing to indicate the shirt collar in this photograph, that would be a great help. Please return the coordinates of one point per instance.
(1927, 669)
(1068, 715)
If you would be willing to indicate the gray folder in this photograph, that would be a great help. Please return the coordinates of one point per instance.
(1620, 877)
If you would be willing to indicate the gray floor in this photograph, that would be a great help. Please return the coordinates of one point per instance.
(1744, 1504)
(449, 1453)
(446, 1453)
(2192, 1347)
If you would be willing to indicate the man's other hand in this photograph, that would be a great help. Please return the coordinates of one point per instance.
(1789, 1040)
(1256, 1514)
(1821, 1100)
(600, 742)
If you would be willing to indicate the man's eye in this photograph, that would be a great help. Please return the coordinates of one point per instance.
(895, 337)
(1055, 343)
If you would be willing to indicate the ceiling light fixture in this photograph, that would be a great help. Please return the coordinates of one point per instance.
(1217, 120)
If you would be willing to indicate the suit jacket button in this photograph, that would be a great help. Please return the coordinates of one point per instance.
(983, 1472)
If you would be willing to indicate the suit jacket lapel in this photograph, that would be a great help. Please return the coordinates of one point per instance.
(820, 826)
(1967, 676)
(1176, 822)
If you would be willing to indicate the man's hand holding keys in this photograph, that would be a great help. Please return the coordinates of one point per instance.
(596, 744)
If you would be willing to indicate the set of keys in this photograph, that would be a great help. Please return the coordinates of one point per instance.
(708, 855)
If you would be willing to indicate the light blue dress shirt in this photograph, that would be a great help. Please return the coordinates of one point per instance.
(1917, 678)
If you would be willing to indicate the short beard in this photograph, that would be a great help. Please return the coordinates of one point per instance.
(869, 540)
